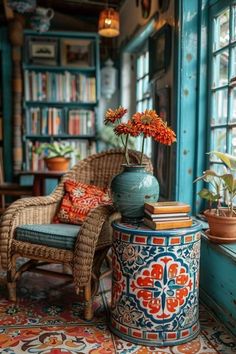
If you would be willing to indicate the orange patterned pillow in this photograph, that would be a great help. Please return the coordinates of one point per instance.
(78, 200)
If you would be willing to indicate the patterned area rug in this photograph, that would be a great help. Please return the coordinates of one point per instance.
(47, 319)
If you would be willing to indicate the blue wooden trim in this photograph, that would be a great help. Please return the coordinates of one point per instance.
(141, 36)
(217, 284)
(210, 73)
(228, 250)
(215, 10)
(187, 101)
(220, 312)
(201, 107)
(7, 104)
(215, 2)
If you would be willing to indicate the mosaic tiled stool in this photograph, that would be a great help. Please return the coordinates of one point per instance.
(155, 284)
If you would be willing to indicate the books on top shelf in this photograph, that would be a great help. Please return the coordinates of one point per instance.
(59, 87)
(53, 121)
(167, 215)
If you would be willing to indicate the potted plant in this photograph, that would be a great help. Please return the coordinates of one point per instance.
(56, 155)
(221, 212)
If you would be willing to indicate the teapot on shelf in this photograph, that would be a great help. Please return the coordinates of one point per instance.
(40, 21)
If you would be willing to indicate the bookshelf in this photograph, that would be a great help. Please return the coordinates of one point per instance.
(61, 74)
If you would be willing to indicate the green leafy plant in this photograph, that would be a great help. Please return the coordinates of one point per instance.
(55, 149)
(222, 187)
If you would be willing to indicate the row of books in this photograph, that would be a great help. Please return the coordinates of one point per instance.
(167, 215)
(35, 162)
(59, 87)
(55, 121)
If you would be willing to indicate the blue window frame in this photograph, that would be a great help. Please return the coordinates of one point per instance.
(143, 94)
(222, 90)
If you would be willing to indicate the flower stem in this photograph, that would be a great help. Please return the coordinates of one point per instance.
(141, 159)
(126, 149)
(122, 140)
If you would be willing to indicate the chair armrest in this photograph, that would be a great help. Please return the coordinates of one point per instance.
(33, 210)
(87, 241)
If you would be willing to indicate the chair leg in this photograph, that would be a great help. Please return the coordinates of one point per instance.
(11, 286)
(88, 309)
(11, 280)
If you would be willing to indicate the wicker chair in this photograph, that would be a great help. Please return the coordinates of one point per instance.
(92, 241)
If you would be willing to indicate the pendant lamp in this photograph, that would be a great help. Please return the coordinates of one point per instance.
(109, 23)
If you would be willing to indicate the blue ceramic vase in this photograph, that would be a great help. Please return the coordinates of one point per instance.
(130, 189)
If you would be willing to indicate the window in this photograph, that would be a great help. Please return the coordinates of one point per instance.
(143, 95)
(223, 80)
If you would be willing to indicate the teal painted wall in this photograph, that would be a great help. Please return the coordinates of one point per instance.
(217, 281)
(191, 104)
(7, 103)
(218, 262)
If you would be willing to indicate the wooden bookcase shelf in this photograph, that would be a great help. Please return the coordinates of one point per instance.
(61, 74)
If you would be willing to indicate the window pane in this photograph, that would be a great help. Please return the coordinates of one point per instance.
(232, 114)
(219, 107)
(221, 63)
(233, 141)
(145, 85)
(143, 100)
(139, 106)
(150, 104)
(145, 105)
(219, 139)
(221, 33)
(218, 168)
(139, 90)
(233, 62)
(140, 67)
(234, 23)
(146, 67)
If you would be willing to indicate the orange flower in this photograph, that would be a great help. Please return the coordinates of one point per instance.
(114, 115)
(147, 124)
(126, 129)
(165, 135)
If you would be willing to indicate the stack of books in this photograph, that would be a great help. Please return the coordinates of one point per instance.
(167, 215)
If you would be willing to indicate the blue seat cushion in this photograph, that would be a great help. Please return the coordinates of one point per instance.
(61, 236)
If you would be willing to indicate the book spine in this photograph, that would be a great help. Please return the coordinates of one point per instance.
(167, 210)
(167, 224)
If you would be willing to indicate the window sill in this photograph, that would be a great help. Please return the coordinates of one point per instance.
(226, 249)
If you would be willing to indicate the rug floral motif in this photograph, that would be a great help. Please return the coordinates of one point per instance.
(47, 319)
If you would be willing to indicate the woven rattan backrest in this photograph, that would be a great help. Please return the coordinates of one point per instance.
(99, 169)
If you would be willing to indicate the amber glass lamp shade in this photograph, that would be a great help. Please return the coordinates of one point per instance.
(109, 23)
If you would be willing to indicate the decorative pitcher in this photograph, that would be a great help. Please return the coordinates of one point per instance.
(41, 20)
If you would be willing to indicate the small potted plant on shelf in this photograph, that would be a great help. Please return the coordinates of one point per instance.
(56, 155)
(221, 212)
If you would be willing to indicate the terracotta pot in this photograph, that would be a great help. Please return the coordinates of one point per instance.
(57, 163)
(221, 226)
